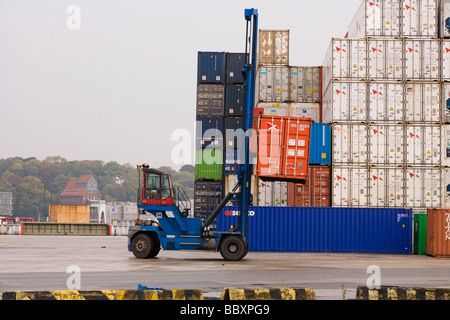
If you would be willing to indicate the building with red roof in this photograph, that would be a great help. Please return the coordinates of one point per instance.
(80, 192)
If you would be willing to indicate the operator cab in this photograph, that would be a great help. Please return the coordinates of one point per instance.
(155, 187)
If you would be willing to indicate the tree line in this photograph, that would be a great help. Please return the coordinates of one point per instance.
(36, 184)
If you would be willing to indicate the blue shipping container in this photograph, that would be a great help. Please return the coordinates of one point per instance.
(320, 147)
(209, 131)
(235, 68)
(344, 230)
(211, 67)
(232, 158)
(235, 101)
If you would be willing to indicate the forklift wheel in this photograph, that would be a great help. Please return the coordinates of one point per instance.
(144, 246)
(233, 248)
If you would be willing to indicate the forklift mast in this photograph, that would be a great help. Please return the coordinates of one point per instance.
(251, 16)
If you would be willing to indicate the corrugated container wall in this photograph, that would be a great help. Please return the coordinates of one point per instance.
(376, 18)
(284, 146)
(235, 68)
(209, 164)
(305, 84)
(306, 110)
(232, 180)
(386, 145)
(385, 59)
(446, 60)
(272, 193)
(422, 59)
(211, 67)
(445, 145)
(350, 144)
(275, 108)
(395, 18)
(420, 18)
(350, 186)
(423, 145)
(445, 19)
(273, 84)
(233, 159)
(235, 101)
(445, 188)
(423, 187)
(316, 192)
(445, 106)
(207, 196)
(438, 233)
(320, 147)
(209, 131)
(210, 100)
(386, 187)
(345, 102)
(234, 133)
(273, 47)
(291, 229)
(346, 59)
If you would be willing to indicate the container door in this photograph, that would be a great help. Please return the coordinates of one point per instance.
(271, 131)
(341, 187)
(445, 146)
(386, 187)
(377, 187)
(296, 148)
(359, 187)
(446, 56)
(386, 102)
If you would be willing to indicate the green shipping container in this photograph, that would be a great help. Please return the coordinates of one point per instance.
(420, 234)
(209, 164)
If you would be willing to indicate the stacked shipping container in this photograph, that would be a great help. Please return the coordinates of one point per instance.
(220, 111)
(290, 91)
(383, 95)
(211, 92)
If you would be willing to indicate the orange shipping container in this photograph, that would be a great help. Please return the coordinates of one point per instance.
(283, 148)
(438, 232)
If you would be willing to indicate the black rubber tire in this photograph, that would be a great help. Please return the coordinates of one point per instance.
(233, 248)
(144, 246)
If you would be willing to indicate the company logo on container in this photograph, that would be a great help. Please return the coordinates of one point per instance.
(410, 7)
(375, 131)
(411, 50)
(412, 135)
(374, 4)
(412, 175)
(339, 92)
(377, 92)
(270, 126)
(341, 178)
(375, 50)
(447, 50)
(375, 178)
(231, 213)
(339, 49)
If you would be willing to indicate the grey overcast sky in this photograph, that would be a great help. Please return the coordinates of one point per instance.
(116, 88)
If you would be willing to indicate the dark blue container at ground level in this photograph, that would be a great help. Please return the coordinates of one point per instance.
(212, 67)
(307, 229)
